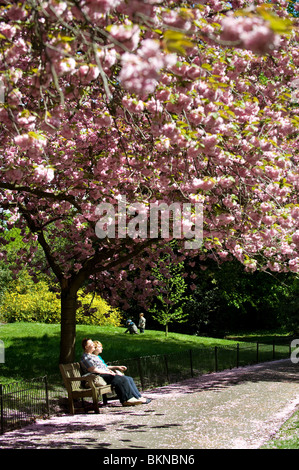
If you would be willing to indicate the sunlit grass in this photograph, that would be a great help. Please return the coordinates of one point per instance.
(288, 435)
(32, 349)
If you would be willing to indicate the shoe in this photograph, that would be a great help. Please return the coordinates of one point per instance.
(145, 401)
(132, 402)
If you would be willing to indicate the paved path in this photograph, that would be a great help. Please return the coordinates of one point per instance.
(237, 409)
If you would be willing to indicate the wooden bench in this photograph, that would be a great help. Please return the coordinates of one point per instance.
(72, 378)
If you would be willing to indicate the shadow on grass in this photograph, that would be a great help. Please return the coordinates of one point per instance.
(31, 357)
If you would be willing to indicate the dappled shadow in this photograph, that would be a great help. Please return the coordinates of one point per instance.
(30, 357)
(48, 435)
(62, 433)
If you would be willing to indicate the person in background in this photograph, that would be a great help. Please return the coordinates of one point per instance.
(141, 324)
(131, 327)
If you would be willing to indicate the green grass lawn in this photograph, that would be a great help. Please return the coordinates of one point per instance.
(288, 435)
(32, 349)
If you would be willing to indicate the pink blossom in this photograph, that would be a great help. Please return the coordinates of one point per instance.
(88, 73)
(140, 73)
(294, 265)
(249, 33)
(22, 141)
(265, 206)
(133, 105)
(66, 65)
(44, 173)
(268, 220)
(127, 35)
(56, 8)
(295, 213)
(16, 13)
(7, 30)
(154, 106)
(224, 219)
(196, 116)
(107, 57)
(103, 6)
(205, 184)
(209, 141)
(295, 238)
(104, 120)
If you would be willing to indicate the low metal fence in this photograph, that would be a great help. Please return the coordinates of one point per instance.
(154, 371)
(22, 402)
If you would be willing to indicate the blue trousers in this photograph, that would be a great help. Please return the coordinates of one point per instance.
(133, 387)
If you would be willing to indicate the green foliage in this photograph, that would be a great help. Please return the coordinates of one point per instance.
(170, 294)
(93, 310)
(27, 301)
(288, 313)
(229, 299)
(291, 8)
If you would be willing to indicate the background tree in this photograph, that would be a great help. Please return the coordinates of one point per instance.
(229, 299)
(170, 293)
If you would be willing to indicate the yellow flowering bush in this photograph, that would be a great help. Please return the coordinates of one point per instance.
(35, 302)
(30, 302)
(96, 311)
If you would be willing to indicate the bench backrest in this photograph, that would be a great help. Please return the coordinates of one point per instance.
(71, 371)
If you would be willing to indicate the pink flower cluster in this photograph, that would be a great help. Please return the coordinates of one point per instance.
(249, 33)
(140, 72)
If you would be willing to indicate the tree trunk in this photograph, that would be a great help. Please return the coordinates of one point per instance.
(166, 329)
(68, 324)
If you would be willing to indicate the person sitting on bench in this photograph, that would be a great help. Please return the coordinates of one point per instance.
(93, 364)
(119, 370)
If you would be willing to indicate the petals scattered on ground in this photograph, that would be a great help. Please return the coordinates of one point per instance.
(237, 409)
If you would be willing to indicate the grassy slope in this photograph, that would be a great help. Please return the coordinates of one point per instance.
(32, 349)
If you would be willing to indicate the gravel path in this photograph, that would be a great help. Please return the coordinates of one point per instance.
(236, 409)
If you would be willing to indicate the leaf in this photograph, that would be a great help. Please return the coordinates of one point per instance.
(277, 24)
(174, 41)
(207, 66)
(66, 38)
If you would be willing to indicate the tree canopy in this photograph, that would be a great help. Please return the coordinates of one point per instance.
(155, 101)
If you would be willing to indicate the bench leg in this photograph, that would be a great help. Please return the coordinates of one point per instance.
(105, 399)
(95, 399)
(71, 406)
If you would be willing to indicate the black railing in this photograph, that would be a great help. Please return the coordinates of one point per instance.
(22, 402)
(149, 371)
